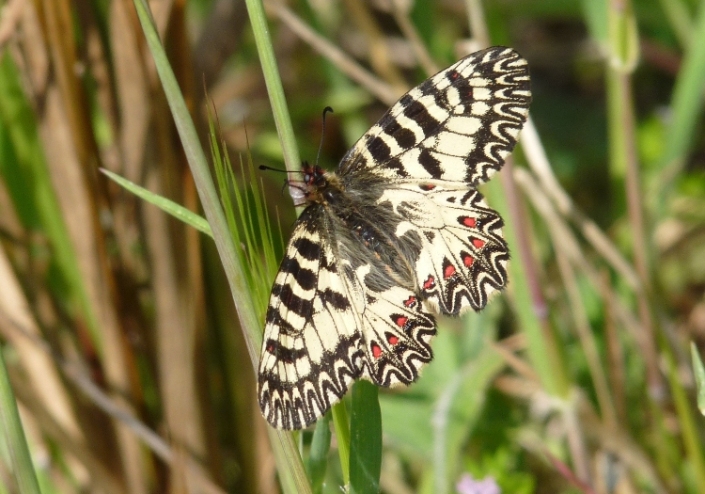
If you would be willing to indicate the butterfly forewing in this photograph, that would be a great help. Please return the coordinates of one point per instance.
(458, 125)
(311, 349)
(398, 235)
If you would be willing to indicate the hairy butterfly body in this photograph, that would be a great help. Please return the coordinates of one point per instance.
(399, 234)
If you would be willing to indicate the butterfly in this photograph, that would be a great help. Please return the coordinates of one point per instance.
(397, 235)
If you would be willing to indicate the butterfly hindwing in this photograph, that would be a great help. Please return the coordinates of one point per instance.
(463, 255)
(395, 336)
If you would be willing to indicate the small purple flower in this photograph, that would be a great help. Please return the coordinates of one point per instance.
(468, 485)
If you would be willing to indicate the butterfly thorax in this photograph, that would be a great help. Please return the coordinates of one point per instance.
(364, 229)
(320, 186)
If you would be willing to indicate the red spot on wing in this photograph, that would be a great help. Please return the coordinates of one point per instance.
(429, 283)
(376, 350)
(468, 221)
(401, 321)
(393, 340)
(410, 302)
(428, 187)
(448, 271)
(478, 243)
(468, 260)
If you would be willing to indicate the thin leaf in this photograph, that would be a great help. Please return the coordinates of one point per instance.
(176, 210)
(694, 454)
(456, 412)
(275, 89)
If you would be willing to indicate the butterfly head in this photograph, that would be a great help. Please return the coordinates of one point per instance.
(314, 176)
(318, 186)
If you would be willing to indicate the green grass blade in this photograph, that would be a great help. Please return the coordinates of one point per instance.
(595, 14)
(176, 210)
(457, 410)
(318, 456)
(686, 420)
(282, 119)
(275, 90)
(687, 102)
(365, 439)
(201, 172)
(699, 373)
(680, 19)
(541, 343)
(342, 434)
(12, 434)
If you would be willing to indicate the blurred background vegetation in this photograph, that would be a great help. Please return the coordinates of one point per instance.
(117, 325)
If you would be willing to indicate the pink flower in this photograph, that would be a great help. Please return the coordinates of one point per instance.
(468, 485)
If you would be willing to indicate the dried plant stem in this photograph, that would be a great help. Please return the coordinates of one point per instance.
(380, 89)
(538, 161)
(401, 15)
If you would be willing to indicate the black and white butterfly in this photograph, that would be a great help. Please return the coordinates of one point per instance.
(398, 234)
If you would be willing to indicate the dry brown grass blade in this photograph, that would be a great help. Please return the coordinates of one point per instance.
(400, 11)
(615, 357)
(101, 478)
(381, 90)
(376, 47)
(176, 305)
(571, 247)
(569, 256)
(538, 161)
(41, 373)
(618, 442)
(78, 377)
(477, 22)
(11, 15)
(174, 250)
(132, 88)
(139, 121)
(65, 130)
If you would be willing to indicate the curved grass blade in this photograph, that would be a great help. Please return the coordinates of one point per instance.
(176, 210)
(13, 439)
(342, 435)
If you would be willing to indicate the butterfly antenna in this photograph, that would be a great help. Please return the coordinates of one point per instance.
(272, 169)
(323, 131)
